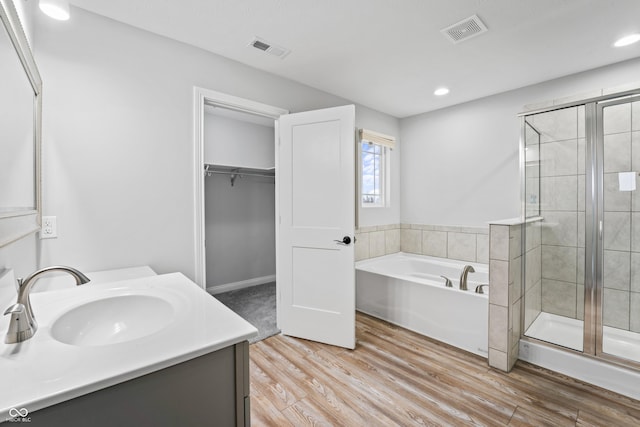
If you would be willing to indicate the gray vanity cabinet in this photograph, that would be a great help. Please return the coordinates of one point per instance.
(210, 390)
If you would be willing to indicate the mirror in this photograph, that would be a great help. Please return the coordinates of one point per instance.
(20, 122)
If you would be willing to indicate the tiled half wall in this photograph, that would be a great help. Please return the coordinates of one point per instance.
(505, 296)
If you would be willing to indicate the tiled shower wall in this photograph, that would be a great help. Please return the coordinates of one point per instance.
(621, 276)
(562, 233)
(562, 205)
(454, 242)
(533, 273)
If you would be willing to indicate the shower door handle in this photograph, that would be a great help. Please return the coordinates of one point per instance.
(600, 226)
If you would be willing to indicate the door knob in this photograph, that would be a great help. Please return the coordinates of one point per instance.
(345, 240)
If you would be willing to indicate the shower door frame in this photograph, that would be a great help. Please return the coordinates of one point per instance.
(598, 228)
(594, 222)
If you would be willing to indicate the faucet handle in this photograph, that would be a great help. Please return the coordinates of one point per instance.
(20, 329)
(447, 282)
(15, 308)
(19, 282)
(479, 288)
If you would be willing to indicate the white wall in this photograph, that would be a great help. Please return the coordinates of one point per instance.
(238, 143)
(460, 165)
(118, 139)
(22, 256)
(240, 229)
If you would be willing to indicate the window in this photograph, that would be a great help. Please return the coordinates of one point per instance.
(373, 174)
(374, 150)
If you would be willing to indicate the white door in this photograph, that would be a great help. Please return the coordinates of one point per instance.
(315, 243)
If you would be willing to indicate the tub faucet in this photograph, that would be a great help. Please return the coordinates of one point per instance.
(447, 282)
(479, 288)
(463, 276)
(23, 323)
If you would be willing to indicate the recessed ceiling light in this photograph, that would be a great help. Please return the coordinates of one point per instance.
(56, 9)
(627, 40)
(441, 91)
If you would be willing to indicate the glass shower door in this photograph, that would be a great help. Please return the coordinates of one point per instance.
(618, 266)
(555, 245)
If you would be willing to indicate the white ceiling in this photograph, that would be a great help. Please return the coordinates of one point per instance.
(389, 54)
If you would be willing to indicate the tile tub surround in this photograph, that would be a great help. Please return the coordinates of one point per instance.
(443, 241)
(446, 241)
(506, 253)
(377, 240)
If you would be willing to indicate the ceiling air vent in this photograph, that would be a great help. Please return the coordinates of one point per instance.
(260, 45)
(269, 48)
(465, 29)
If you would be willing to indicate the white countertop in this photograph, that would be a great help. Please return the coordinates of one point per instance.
(42, 371)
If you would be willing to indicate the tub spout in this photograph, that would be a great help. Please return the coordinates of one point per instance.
(463, 276)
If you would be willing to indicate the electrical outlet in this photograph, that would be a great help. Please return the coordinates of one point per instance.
(49, 228)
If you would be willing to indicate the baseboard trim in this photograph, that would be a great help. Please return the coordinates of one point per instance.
(226, 287)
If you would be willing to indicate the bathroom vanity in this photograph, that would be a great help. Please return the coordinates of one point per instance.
(210, 390)
(155, 350)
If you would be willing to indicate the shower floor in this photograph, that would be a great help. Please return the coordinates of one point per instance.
(568, 332)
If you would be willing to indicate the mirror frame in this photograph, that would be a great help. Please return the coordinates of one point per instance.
(18, 224)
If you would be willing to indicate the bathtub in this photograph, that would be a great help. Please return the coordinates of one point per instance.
(407, 290)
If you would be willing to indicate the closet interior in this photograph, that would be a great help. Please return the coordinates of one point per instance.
(239, 199)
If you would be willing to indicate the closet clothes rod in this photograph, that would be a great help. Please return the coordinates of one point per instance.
(238, 173)
(235, 173)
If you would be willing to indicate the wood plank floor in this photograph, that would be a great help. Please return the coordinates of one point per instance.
(395, 377)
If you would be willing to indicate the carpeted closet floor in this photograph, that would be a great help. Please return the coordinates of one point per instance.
(257, 305)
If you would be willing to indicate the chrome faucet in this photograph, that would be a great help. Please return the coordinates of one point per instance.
(23, 323)
(479, 288)
(463, 276)
(447, 282)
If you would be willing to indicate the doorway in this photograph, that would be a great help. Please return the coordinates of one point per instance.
(235, 148)
(207, 99)
(314, 218)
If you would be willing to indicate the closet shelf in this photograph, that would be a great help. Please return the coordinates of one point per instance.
(236, 171)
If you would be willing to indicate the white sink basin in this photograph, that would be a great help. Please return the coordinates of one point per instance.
(112, 320)
(100, 334)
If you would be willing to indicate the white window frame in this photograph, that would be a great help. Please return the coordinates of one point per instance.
(385, 187)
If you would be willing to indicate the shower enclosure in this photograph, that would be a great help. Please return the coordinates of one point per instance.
(582, 237)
